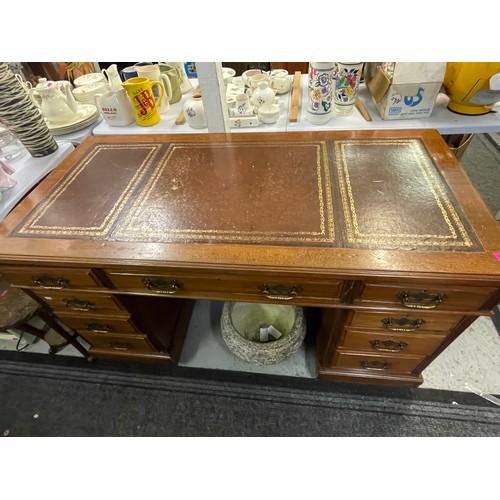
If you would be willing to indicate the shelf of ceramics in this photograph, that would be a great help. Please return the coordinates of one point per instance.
(167, 122)
(165, 126)
(445, 121)
(252, 123)
(28, 171)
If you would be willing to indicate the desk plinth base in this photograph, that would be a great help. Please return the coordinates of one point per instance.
(338, 375)
(152, 357)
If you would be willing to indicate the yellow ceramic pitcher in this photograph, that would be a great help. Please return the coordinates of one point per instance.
(140, 92)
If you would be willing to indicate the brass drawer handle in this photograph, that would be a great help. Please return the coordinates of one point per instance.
(375, 365)
(159, 285)
(280, 292)
(388, 345)
(79, 305)
(402, 324)
(120, 346)
(421, 300)
(50, 282)
(99, 327)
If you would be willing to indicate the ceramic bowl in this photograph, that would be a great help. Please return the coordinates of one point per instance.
(254, 80)
(86, 93)
(269, 113)
(278, 72)
(89, 79)
(228, 74)
(281, 84)
(248, 73)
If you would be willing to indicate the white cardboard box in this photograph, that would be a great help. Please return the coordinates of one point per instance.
(410, 93)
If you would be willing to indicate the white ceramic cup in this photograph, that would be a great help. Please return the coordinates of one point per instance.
(242, 105)
(152, 71)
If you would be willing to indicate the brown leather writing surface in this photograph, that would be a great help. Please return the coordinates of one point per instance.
(273, 192)
(393, 197)
(87, 202)
(363, 193)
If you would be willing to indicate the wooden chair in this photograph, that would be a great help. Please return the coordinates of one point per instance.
(18, 312)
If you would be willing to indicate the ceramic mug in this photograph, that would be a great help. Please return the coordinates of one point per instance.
(175, 81)
(128, 72)
(242, 105)
(144, 104)
(115, 107)
(152, 72)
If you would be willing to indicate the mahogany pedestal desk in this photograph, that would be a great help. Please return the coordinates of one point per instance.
(380, 230)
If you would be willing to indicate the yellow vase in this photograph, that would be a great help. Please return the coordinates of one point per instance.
(140, 92)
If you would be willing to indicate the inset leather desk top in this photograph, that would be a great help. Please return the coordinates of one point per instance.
(374, 191)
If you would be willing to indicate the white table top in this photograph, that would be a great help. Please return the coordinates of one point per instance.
(29, 171)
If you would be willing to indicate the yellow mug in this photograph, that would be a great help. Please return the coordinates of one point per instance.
(140, 92)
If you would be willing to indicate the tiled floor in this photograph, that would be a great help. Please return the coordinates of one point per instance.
(472, 361)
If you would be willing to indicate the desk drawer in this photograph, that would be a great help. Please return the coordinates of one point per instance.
(225, 286)
(81, 302)
(417, 321)
(432, 297)
(50, 278)
(386, 343)
(373, 363)
(100, 325)
(119, 343)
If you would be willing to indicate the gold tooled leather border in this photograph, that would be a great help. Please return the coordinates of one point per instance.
(31, 226)
(130, 230)
(435, 184)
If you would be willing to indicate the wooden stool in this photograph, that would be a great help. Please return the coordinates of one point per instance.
(18, 309)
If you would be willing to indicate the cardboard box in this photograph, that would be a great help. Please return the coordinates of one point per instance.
(406, 90)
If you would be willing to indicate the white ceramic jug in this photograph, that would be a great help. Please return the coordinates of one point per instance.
(114, 80)
(186, 85)
(115, 107)
(57, 107)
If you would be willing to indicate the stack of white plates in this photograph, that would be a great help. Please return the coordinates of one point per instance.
(86, 93)
(89, 79)
(87, 114)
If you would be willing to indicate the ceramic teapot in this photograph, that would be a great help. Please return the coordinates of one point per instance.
(57, 107)
(263, 94)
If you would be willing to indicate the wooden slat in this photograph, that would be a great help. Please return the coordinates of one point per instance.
(294, 108)
(181, 118)
(361, 108)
